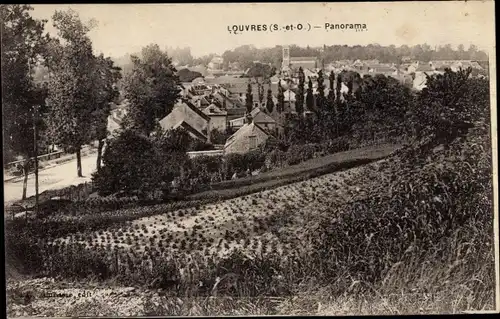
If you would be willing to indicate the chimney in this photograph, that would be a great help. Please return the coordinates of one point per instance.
(248, 118)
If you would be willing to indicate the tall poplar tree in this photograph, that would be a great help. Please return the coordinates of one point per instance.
(249, 98)
(269, 102)
(299, 97)
(310, 96)
(281, 99)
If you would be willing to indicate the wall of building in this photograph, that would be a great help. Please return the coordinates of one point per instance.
(218, 122)
(241, 143)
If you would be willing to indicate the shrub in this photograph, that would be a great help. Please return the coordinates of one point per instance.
(300, 153)
(137, 164)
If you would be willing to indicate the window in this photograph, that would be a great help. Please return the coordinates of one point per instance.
(252, 142)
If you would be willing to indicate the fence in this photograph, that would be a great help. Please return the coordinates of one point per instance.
(41, 158)
(45, 157)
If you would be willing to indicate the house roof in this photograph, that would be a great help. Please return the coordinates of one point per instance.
(262, 117)
(113, 124)
(195, 109)
(289, 96)
(190, 129)
(424, 68)
(245, 130)
(214, 110)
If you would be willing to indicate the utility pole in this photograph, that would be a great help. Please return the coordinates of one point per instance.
(35, 142)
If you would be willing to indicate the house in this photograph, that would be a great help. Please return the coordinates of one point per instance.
(188, 116)
(423, 67)
(235, 113)
(262, 119)
(274, 79)
(310, 74)
(381, 69)
(294, 63)
(247, 138)
(303, 62)
(222, 100)
(237, 123)
(289, 96)
(200, 69)
(198, 81)
(191, 130)
(216, 63)
(116, 117)
(218, 117)
(113, 126)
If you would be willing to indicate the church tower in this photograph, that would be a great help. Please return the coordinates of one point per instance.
(286, 57)
(285, 65)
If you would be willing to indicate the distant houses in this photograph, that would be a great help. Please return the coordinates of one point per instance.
(217, 99)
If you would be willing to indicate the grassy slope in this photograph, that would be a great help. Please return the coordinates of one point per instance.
(430, 286)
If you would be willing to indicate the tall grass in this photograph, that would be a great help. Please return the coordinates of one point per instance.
(417, 237)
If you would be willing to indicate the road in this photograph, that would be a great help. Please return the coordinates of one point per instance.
(59, 176)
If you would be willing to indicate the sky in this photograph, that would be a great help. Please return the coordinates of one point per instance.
(126, 28)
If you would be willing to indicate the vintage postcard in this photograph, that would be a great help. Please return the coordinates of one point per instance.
(250, 159)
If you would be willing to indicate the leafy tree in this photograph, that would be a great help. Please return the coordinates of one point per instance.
(281, 99)
(259, 70)
(331, 92)
(261, 92)
(299, 97)
(151, 87)
(135, 164)
(22, 43)
(321, 91)
(249, 99)
(339, 88)
(269, 102)
(106, 77)
(349, 88)
(449, 105)
(71, 94)
(310, 96)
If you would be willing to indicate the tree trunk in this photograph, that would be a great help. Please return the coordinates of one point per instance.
(99, 154)
(79, 162)
(25, 181)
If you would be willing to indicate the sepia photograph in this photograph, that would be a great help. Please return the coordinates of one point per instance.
(244, 159)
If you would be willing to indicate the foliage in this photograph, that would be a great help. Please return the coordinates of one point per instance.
(246, 54)
(269, 102)
(281, 99)
(72, 84)
(450, 104)
(299, 96)
(249, 98)
(151, 87)
(310, 96)
(259, 70)
(300, 153)
(128, 163)
(22, 45)
(219, 137)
